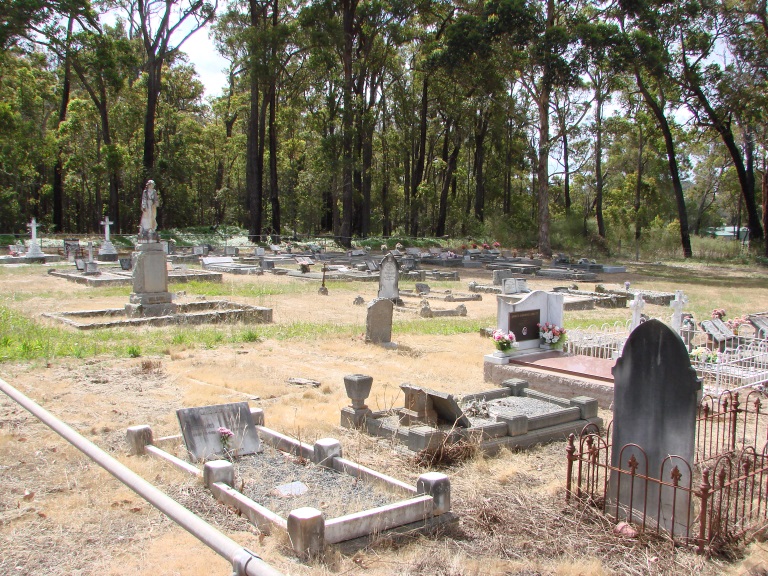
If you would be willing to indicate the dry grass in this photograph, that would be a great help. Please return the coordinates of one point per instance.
(60, 514)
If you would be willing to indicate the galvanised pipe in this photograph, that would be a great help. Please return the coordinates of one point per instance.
(244, 562)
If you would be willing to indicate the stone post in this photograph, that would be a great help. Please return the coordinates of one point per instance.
(438, 486)
(218, 471)
(325, 450)
(139, 437)
(306, 529)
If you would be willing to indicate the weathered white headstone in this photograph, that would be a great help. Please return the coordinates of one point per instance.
(201, 426)
(637, 306)
(34, 250)
(521, 315)
(107, 250)
(654, 414)
(389, 276)
(677, 310)
(378, 322)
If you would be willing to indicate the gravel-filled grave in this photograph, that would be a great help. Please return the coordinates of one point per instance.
(333, 493)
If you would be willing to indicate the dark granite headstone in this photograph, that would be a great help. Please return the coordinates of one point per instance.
(525, 324)
(200, 429)
(654, 407)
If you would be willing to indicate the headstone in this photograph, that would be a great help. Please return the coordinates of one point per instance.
(654, 408)
(378, 323)
(200, 429)
(231, 250)
(422, 288)
(107, 250)
(521, 315)
(259, 251)
(515, 286)
(677, 310)
(91, 267)
(425, 406)
(358, 301)
(34, 250)
(637, 306)
(500, 275)
(389, 276)
(150, 296)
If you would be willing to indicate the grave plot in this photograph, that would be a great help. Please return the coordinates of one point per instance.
(116, 276)
(309, 491)
(512, 416)
(203, 312)
(732, 369)
(227, 264)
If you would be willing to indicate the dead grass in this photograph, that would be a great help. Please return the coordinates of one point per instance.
(60, 514)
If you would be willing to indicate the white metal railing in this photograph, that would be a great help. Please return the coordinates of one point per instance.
(734, 368)
(606, 341)
(244, 562)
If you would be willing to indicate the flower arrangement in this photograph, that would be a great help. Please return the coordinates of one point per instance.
(486, 246)
(552, 334)
(504, 341)
(225, 435)
(496, 244)
(702, 354)
(474, 245)
(734, 323)
(627, 284)
(718, 313)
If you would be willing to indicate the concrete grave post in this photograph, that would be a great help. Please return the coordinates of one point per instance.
(656, 393)
(358, 387)
(378, 322)
(389, 276)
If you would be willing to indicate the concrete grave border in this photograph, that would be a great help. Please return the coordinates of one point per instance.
(424, 506)
(520, 431)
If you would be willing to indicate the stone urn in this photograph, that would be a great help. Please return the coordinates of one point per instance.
(358, 388)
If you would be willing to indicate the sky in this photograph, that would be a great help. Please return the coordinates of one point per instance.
(210, 66)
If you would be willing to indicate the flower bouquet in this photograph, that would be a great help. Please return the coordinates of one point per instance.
(551, 334)
(504, 341)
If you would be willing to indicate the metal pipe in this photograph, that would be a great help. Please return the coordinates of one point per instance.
(244, 562)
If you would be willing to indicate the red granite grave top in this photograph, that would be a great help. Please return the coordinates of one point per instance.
(584, 366)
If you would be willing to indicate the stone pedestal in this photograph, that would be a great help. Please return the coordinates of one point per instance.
(418, 407)
(358, 387)
(107, 252)
(150, 296)
(34, 251)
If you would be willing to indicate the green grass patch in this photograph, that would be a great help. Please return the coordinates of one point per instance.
(442, 326)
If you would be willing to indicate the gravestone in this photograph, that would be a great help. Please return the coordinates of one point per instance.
(34, 250)
(654, 408)
(389, 276)
(259, 251)
(91, 266)
(200, 429)
(677, 310)
(107, 251)
(515, 286)
(500, 275)
(378, 322)
(421, 288)
(637, 306)
(521, 315)
(430, 407)
(150, 296)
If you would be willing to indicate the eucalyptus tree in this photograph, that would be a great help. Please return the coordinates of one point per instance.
(163, 27)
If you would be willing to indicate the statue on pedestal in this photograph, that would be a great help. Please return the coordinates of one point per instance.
(150, 200)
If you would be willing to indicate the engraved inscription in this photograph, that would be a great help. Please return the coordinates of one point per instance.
(524, 324)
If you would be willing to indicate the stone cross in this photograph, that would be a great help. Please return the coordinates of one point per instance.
(106, 223)
(637, 306)
(33, 229)
(677, 310)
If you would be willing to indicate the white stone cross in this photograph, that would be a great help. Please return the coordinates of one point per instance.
(637, 306)
(33, 229)
(106, 222)
(677, 310)
(90, 251)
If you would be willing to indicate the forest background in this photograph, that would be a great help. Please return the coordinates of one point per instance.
(539, 124)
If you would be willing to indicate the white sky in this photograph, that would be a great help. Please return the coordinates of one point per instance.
(210, 66)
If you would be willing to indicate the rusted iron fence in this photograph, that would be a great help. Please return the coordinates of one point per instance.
(719, 498)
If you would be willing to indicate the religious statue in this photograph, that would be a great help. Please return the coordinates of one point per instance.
(149, 202)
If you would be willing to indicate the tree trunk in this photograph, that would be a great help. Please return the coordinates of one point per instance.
(58, 170)
(418, 173)
(154, 70)
(661, 120)
(252, 167)
(274, 190)
(447, 181)
(347, 192)
(542, 173)
(638, 190)
(599, 164)
(482, 130)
